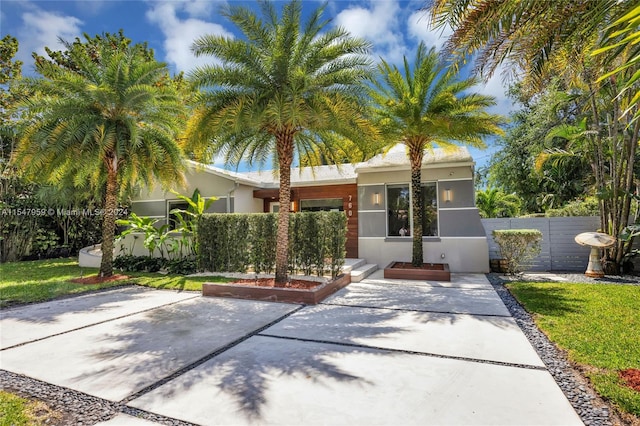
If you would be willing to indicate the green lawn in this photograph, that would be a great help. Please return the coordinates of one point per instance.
(39, 280)
(17, 411)
(597, 324)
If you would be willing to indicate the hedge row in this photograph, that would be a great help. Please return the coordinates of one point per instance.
(237, 242)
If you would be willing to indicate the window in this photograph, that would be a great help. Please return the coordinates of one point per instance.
(400, 214)
(174, 223)
(398, 208)
(323, 205)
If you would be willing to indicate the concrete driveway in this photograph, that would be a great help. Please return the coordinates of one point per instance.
(377, 352)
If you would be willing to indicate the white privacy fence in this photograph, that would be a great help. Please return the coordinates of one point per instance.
(559, 251)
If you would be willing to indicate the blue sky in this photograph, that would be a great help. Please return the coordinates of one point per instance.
(395, 27)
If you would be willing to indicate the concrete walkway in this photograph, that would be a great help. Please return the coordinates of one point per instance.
(377, 352)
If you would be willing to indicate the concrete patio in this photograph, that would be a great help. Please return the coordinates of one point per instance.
(377, 352)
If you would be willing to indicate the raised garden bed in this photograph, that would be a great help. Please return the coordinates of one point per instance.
(428, 271)
(248, 290)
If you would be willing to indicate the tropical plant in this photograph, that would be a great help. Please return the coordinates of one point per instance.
(424, 105)
(143, 225)
(529, 36)
(621, 35)
(542, 39)
(494, 202)
(104, 113)
(188, 219)
(286, 88)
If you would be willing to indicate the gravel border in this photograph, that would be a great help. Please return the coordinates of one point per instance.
(591, 408)
(77, 408)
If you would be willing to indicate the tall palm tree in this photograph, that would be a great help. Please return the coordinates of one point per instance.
(287, 87)
(494, 202)
(110, 120)
(425, 105)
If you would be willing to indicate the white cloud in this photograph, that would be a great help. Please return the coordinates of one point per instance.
(496, 86)
(419, 27)
(378, 23)
(40, 28)
(180, 33)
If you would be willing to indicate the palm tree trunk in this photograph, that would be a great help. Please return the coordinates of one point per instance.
(628, 190)
(109, 221)
(284, 147)
(415, 156)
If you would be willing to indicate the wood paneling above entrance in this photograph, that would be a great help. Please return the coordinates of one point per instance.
(348, 193)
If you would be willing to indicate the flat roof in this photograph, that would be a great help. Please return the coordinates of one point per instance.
(395, 159)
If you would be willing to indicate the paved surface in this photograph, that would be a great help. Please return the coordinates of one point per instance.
(377, 352)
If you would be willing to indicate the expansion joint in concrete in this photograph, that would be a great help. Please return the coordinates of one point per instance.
(425, 311)
(208, 357)
(408, 352)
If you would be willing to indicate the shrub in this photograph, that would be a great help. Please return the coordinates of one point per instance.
(517, 247)
(234, 242)
(139, 263)
(263, 228)
(588, 207)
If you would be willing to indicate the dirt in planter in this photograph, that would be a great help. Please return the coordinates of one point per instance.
(631, 378)
(96, 279)
(271, 282)
(425, 266)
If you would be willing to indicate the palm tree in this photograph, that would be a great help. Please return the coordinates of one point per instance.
(427, 105)
(622, 41)
(287, 88)
(110, 118)
(527, 35)
(493, 202)
(543, 38)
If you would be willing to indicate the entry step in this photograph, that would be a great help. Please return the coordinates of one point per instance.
(363, 271)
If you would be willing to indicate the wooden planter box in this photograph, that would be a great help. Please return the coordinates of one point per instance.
(429, 271)
(498, 265)
(276, 294)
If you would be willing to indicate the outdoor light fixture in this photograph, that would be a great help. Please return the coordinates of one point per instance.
(293, 206)
(376, 198)
(448, 196)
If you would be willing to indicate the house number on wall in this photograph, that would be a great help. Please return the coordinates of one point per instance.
(350, 206)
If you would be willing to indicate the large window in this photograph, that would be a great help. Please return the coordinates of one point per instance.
(399, 211)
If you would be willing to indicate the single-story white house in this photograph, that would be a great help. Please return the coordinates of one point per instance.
(374, 195)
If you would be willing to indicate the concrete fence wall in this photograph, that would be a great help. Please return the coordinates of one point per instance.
(559, 251)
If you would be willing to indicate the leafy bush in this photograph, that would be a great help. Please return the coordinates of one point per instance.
(139, 263)
(182, 266)
(517, 247)
(263, 228)
(588, 207)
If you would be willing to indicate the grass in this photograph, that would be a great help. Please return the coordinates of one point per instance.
(18, 411)
(40, 280)
(599, 327)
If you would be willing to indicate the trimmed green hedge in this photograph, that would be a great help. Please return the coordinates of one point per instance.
(237, 242)
(518, 247)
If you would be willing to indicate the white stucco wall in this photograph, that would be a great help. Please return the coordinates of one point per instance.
(244, 201)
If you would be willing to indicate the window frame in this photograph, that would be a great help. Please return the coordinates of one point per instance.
(410, 210)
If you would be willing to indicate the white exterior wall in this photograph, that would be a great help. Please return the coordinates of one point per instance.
(463, 254)
(244, 201)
